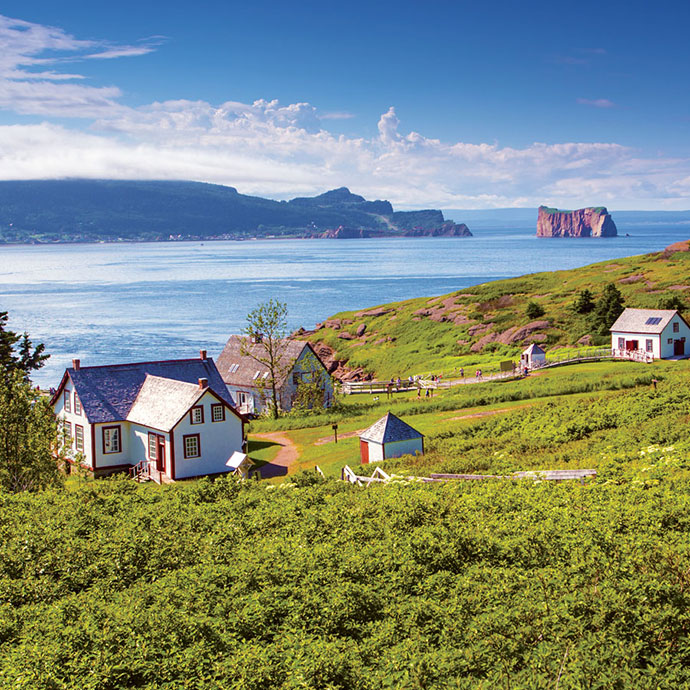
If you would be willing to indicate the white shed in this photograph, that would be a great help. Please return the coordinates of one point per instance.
(240, 464)
(533, 357)
(656, 333)
(390, 437)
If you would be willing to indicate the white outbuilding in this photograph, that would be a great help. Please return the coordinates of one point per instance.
(390, 437)
(657, 333)
(533, 357)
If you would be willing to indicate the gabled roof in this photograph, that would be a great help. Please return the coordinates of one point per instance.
(533, 349)
(161, 403)
(644, 320)
(107, 393)
(389, 429)
(242, 370)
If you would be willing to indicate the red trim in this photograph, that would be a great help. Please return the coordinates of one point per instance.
(172, 455)
(119, 438)
(215, 406)
(93, 446)
(191, 414)
(76, 442)
(198, 446)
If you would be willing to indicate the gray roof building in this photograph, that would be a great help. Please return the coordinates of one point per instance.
(389, 429)
(645, 321)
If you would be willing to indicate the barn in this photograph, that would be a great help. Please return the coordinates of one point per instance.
(389, 437)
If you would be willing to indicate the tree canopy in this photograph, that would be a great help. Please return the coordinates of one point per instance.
(17, 352)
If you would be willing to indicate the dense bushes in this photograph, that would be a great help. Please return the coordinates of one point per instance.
(469, 586)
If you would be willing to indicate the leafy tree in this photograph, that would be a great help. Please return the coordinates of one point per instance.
(17, 351)
(534, 310)
(28, 436)
(584, 303)
(672, 302)
(608, 308)
(266, 344)
(310, 394)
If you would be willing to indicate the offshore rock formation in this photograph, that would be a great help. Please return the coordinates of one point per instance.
(585, 222)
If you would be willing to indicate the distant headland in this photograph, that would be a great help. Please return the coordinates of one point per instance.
(77, 210)
(585, 222)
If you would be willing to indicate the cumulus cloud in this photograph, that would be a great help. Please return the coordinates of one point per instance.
(283, 150)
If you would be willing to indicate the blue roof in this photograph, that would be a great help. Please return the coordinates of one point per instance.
(108, 392)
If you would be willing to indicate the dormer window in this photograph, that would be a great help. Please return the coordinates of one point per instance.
(197, 415)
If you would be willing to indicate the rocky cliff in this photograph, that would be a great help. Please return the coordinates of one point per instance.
(585, 222)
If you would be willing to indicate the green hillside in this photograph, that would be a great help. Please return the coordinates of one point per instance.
(489, 322)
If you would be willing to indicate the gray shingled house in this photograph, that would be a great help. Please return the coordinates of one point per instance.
(169, 420)
(654, 333)
(390, 437)
(248, 381)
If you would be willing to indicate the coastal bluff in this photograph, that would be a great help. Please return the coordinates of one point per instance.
(585, 222)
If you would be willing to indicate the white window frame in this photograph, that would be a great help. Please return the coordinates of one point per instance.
(112, 439)
(191, 444)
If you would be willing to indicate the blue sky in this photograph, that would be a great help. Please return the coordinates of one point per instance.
(445, 104)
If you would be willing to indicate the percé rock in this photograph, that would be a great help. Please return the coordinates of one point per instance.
(585, 222)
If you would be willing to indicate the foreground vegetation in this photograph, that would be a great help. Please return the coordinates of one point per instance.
(516, 585)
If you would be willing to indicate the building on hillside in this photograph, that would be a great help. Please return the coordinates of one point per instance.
(390, 437)
(533, 357)
(248, 381)
(652, 333)
(169, 420)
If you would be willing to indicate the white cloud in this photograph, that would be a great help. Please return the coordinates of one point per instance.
(597, 102)
(280, 151)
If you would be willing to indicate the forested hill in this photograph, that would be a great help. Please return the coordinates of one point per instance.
(111, 210)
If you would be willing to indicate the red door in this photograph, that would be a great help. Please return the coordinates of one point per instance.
(364, 451)
(678, 348)
(160, 453)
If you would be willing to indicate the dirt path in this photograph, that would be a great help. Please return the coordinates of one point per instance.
(486, 413)
(287, 455)
(329, 439)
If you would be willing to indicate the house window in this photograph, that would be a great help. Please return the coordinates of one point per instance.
(79, 437)
(243, 397)
(621, 343)
(676, 327)
(217, 413)
(67, 433)
(649, 345)
(670, 341)
(197, 415)
(66, 398)
(77, 404)
(296, 378)
(111, 439)
(153, 447)
(192, 446)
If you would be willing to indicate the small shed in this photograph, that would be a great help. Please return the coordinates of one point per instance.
(390, 437)
(533, 357)
(239, 464)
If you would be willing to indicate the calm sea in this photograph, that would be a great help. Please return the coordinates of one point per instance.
(107, 303)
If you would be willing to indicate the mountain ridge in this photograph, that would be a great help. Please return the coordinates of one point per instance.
(79, 210)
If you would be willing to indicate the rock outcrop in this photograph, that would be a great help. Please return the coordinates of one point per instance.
(585, 222)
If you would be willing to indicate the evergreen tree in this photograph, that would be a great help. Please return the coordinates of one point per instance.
(28, 436)
(534, 310)
(608, 308)
(17, 352)
(672, 302)
(584, 303)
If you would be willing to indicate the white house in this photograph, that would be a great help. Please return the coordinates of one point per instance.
(170, 419)
(390, 437)
(248, 381)
(659, 333)
(533, 357)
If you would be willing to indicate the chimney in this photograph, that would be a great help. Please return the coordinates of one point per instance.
(76, 363)
(202, 354)
(203, 383)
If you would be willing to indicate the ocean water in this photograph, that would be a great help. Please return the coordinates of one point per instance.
(108, 303)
